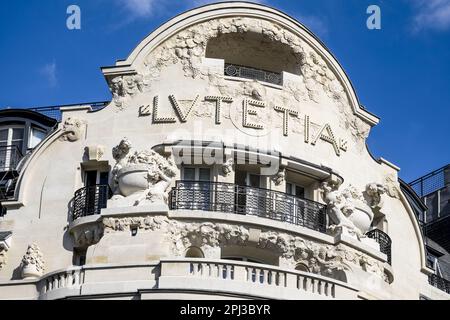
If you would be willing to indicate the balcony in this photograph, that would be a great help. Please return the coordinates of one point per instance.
(439, 283)
(264, 203)
(168, 278)
(90, 200)
(383, 240)
(10, 157)
(234, 70)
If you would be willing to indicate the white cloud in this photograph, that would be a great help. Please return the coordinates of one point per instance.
(137, 8)
(48, 71)
(431, 14)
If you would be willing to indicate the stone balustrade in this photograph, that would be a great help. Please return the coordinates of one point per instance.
(253, 279)
(223, 277)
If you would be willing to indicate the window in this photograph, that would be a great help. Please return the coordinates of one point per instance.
(11, 144)
(196, 174)
(36, 136)
(97, 190)
(93, 177)
(295, 190)
(197, 186)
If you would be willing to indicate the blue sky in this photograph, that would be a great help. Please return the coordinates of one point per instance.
(401, 72)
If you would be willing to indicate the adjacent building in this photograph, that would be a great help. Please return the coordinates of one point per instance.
(434, 192)
(231, 162)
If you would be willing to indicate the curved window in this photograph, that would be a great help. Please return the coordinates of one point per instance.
(194, 252)
(302, 267)
(254, 56)
(11, 145)
(36, 136)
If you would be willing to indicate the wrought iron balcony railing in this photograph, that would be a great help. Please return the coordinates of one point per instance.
(438, 282)
(90, 200)
(231, 198)
(384, 241)
(235, 70)
(10, 157)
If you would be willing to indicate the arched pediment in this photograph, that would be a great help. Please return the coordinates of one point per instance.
(185, 39)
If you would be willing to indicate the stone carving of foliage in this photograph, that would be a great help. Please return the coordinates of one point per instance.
(349, 209)
(157, 170)
(318, 257)
(392, 187)
(227, 167)
(87, 235)
(72, 129)
(33, 263)
(125, 86)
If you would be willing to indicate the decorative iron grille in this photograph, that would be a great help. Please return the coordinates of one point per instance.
(234, 70)
(10, 157)
(438, 282)
(90, 200)
(231, 198)
(384, 240)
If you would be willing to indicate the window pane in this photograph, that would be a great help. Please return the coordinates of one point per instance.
(204, 174)
(17, 134)
(103, 178)
(3, 135)
(288, 188)
(91, 178)
(18, 144)
(299, 192)
(37, 136)
(189, 174)
(254, 180)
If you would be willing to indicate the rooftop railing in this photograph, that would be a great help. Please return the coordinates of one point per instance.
(90, 200)
(430, 182)
(264, 203)
(234, 70)
(55, 111)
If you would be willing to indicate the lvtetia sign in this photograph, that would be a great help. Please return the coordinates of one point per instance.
(251, 110)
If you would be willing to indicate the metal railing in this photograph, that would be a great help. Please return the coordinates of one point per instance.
(439, 282)
(90, 200)
(231, 198)
(235, 70)
(10, 157)
(55, 111)
(383, 240)
(431, 182)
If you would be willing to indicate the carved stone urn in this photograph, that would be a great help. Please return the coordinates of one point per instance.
(133, 179)
(361, 216)
(140, 177)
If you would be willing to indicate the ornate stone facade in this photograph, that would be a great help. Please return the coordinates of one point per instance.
(33, 264)
(320, 258)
